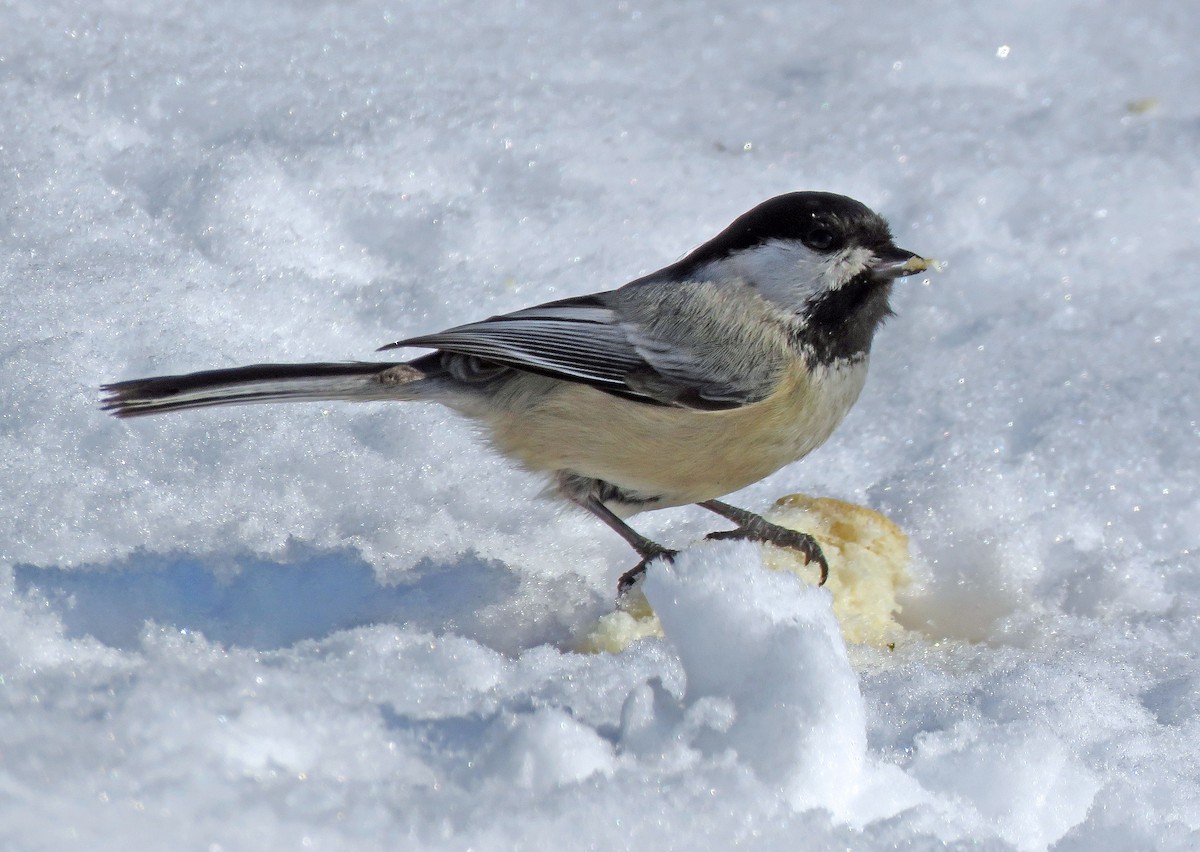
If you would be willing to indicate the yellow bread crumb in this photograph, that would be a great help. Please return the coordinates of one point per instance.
(617, 630)
(868, 562)
(868, 566)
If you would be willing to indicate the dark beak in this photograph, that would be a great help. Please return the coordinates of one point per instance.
(892, 262)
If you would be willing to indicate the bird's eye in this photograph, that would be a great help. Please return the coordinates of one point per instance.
(820, 238)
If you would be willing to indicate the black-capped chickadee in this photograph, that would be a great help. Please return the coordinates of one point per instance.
(677, 388)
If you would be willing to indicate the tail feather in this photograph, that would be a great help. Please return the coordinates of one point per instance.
(259, 383)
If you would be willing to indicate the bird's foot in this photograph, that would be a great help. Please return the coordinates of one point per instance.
(634, 575)
(762, 530)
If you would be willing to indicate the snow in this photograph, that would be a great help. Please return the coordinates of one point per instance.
(339, 627)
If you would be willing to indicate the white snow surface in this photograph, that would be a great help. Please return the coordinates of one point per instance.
(349, 627)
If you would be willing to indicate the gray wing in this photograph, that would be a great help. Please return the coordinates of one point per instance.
(590, 340)
(576, 339)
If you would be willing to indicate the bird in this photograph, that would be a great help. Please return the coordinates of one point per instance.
(677, 388)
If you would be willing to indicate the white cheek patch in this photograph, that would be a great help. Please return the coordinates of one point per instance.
(788, 273)
(849, 263)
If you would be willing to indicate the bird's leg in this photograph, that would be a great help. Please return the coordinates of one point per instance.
(756, 528)
(647, 549)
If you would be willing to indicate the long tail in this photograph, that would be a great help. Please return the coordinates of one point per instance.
(260, 383)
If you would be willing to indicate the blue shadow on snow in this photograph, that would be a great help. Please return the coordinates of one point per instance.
(263, 604)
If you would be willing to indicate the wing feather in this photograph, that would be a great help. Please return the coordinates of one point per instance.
(587, 339)
(584, 341)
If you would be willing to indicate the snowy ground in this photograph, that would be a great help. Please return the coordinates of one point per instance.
(332, 627)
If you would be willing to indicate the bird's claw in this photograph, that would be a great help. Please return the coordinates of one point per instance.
(635, 574)
(779, 536)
